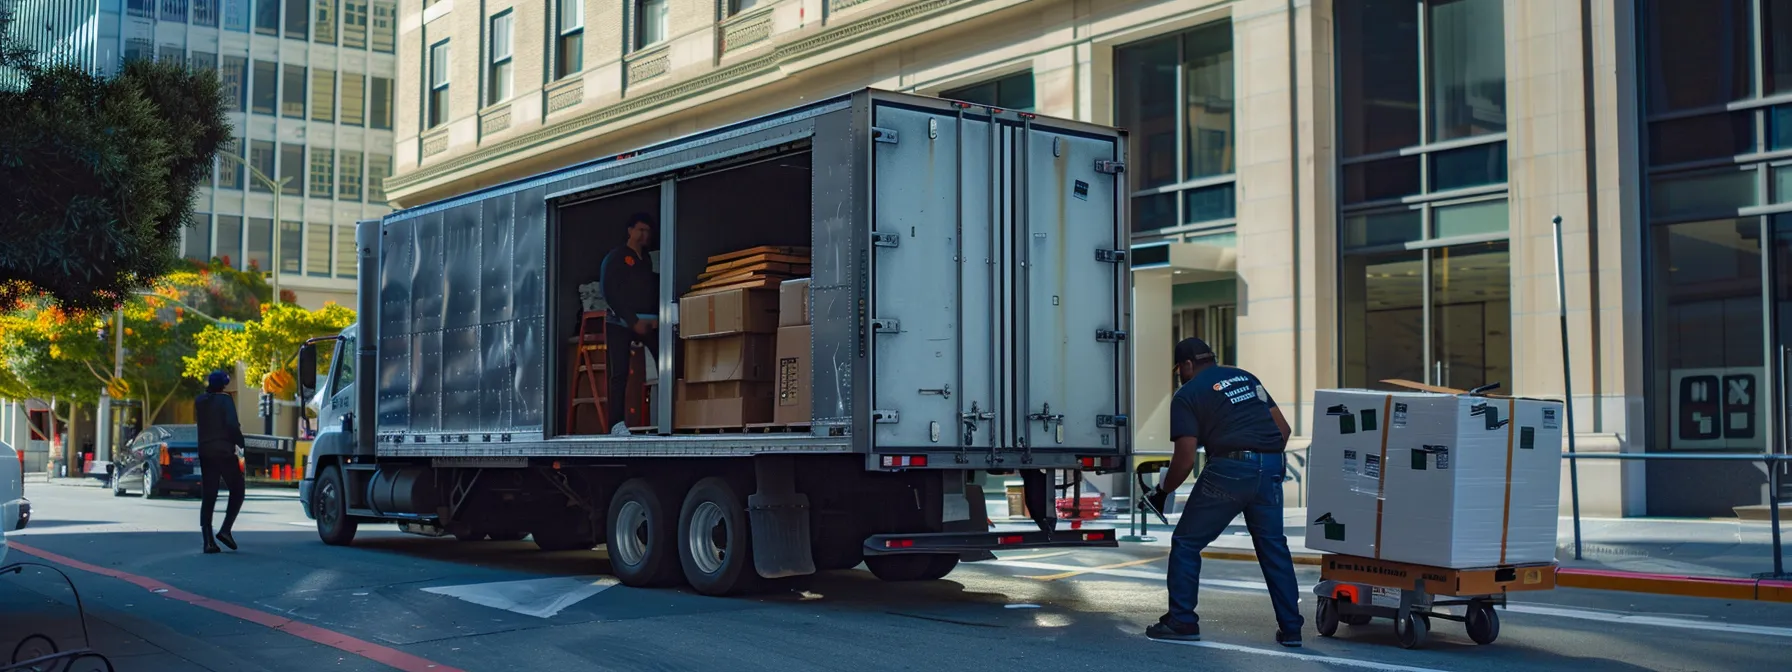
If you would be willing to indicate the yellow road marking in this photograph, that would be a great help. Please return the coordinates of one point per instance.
(1066, 575)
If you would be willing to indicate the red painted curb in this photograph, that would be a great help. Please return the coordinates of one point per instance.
(380, 654)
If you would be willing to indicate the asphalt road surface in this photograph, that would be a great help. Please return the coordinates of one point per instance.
(288, 602)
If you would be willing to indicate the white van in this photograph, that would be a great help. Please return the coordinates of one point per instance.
(14, 511)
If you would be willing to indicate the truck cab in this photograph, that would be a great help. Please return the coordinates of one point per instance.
(333, 402)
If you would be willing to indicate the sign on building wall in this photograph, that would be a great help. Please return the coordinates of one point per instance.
(1716, 408)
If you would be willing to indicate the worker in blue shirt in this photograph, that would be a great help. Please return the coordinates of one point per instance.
(1227, 411)
(632, 289)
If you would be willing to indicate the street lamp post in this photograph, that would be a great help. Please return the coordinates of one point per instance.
(276, 186)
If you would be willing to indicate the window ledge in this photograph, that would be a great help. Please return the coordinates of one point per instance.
(565, 93)
(747, 28)
(434, 141)
(651, 62)
(494, 119)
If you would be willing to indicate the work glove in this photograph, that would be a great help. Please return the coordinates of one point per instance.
(1157, 500)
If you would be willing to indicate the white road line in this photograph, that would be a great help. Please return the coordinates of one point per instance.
(1306, 657)
(541, 598)
(1535, 609)
(301, 523)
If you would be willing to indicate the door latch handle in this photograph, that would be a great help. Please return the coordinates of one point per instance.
(1051, 421)
(943, 391)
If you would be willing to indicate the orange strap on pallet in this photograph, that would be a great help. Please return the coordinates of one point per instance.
(1381, 480)
(1506, 522)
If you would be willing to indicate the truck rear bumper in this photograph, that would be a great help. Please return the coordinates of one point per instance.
(972, 542)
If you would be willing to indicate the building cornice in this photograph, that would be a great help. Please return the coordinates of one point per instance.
(781, 60)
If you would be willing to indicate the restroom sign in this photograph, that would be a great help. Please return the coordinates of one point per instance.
(1716, 408)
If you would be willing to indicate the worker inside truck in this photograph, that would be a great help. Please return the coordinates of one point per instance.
(632, 289)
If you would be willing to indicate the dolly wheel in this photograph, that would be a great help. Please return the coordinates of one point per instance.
(1327, 621)
(1483, 622)
(1412, 630)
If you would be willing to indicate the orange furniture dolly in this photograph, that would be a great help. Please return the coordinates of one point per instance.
(1355, 590)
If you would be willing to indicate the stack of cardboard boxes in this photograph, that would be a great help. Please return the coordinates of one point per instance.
(729, 330)
(1442, 480)
(792, 407)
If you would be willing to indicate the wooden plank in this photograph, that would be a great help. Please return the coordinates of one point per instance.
(751, 284)
(737, 276)
(768, 267)
(762, 249)
(734, 280)
(760, 259)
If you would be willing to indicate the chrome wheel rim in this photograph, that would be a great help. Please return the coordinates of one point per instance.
(631, 534)
(708, 537)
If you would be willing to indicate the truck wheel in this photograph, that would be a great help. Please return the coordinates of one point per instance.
(912, 567)
(334, 525)
(715, 544)
(642, 535)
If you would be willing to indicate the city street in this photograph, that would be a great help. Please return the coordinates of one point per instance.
(288, 602)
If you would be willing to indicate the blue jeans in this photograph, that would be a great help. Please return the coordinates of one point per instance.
(1226, 488)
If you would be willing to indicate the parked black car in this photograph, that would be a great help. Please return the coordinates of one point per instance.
(162, 459)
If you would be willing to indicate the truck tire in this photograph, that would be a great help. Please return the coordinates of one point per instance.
(912, 567)
(642, 535)
(334, 526)
(715, 543)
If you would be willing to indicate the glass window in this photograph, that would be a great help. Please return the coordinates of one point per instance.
(292, 247)
(1467, 65)
(1210, 204)
(569, 50)
(323, 172)
(230, 164)
(292, 92)
(381, 103)
(497, 79)
(1719, 192)
(1145, 84)
(1378, 66)
(137, 50)
(348, 178)
(1712, 136)
(171, 54)
(235, 75)
(438, 85)
(258, 248)
(1014, 92)
(236, 15)
(738, 6)
(1207, 89)
(1387, 179)
(261, 158)
(1470, 219)
(1157, 211)
(1707, 314)
(230, 241)
(324, 22)
(345, 251)
(650, 22)
(196, 241)
(1476, 166)
(267, 17)
(143, 8)
(1383, 318)
(205, 13)
(298, 19)
(379, 166)
(174, 10)
(385, 25)
(1471, 315)
(354, 98)
(1699, 53)
(1782, 184)
(317, 249)
(1776, 15)
(323, 95)
(267, 87)
(201, 60)
(354, 24)
(292, 170)
(1385, 228)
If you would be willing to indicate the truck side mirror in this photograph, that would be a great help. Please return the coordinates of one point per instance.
(307, 369)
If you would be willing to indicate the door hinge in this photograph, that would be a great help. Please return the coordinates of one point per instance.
(885, 326)
(885, 417)
(1110, 421)
(881, 239)
(1105, 166)
(1110, 256)
(883, 135)
(1109, 335)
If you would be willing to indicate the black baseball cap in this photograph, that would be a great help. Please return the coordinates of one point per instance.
(1193, 350)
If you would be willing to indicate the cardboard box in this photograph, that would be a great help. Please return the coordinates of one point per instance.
(1441, 480)
(722, 405)
(793, 376)
(793, 303)
(736, 311)
(749, 357)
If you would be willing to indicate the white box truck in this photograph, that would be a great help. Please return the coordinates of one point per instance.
(969, 303)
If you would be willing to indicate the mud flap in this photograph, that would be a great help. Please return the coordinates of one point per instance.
(977, 520)
(1041, 503)
(778, 517)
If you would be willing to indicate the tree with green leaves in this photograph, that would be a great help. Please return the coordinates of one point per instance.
(98, 174)
(267, 345)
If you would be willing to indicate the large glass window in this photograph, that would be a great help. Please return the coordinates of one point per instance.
(292, 92)
(345, 251)
(379, 167)
(292, 169)
(324, 22)
(261, 159)
(1014, 92)
(1698, 53)
(267, 87)
(1427, 274)
(354, 98)
(323, 95)
(354, 24)
(438, 85)
(569, 48)
(380, 104)
(205, 13)
(267, 17)
(323, 172)
(230, 241)
(1176, 95)
(385, 25)
(497, 78)
(317, 249)
(230, 164)
(196, 240)
(298, 19)
(235, 77)
(236, 15)
(292, 247)
(348, 176)
(258, 245)
(651, 18)
(174, 10)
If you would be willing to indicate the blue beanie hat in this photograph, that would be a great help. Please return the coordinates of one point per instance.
(217, 381)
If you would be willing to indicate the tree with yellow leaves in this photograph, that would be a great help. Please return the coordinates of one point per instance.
(267, 347)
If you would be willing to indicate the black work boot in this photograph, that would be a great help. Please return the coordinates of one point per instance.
(210, 545)
(1167, 628)
(227, 540)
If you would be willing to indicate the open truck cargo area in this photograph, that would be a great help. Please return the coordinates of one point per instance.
(862, 303)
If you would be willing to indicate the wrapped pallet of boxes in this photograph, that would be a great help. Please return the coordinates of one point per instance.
(728, 326)
(792, 407)
(1435, 479)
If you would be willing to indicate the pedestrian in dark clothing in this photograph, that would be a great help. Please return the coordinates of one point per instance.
(219, 437)
(632, 290)
(1227, 411)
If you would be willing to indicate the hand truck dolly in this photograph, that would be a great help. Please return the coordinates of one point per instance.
(1355, 590)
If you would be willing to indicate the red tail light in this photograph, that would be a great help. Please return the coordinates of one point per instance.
(1013, 539)
(900, 461)
(1099, 535)
(162, 454)
(899, 543)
